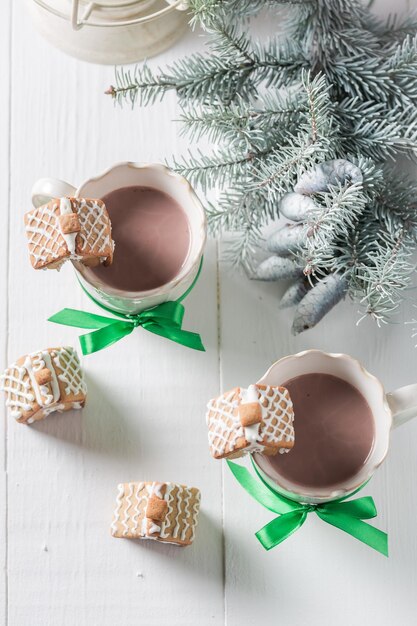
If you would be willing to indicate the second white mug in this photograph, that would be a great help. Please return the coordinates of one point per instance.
(388, 410)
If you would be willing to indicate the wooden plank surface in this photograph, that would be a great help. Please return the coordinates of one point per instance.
(5, 147)
(145, 415)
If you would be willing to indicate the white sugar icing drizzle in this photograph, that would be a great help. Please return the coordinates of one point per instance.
(278, 415)
(152, 529)
(119, 504)
(136, 510)
(66, 359)
(170, 500)
(45, 237)
(195, 510)
(19, 393)
(179, 499)
(46, 394)
(155, 490)
(22, 389)
(225, 428)
(179, 517)
(125, 521)
(187, 513)
(95, 231)
(59, 408)
(131, 511)
(149, 526)
(65, 208)
(251, 432)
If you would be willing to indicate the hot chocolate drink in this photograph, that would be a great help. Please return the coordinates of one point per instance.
(152, 236)
(334, 433)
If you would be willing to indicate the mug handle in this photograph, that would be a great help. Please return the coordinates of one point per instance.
(403, 404)
(47, 188)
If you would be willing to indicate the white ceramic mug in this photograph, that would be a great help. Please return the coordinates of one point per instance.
(125, 175)
(388, 409)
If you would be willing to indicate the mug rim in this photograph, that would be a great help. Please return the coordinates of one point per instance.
(190, 261)
(337, 491)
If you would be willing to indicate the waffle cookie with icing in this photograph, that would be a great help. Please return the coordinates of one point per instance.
(257, 419)
(69, 228)
(164, 512)
(43, 382)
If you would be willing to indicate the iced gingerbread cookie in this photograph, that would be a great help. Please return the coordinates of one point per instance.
(164, 512)
(257, 419)
(69, 228)
(43, 382)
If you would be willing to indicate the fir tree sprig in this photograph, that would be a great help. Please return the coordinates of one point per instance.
(331, 220)
(230, 71)
(334, 82)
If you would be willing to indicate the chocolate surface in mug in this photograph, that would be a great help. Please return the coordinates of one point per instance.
(152, 236)
(334, 433)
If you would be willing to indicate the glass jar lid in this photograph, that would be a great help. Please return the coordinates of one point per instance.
(109, 12)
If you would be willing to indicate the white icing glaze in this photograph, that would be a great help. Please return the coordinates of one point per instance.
(223, 425)
(65, 208)
(152, 529)
(119, 503)
(43, 236)
(155, 490)
(179, 517)
(187, 513)
(170, 500)
(19, 393)
(125, 521)
(136, 510)
(48, 394)
(251, 432)
(71, 374)
(149, 526)
(94, 226)
(196, 508)
(59, 408)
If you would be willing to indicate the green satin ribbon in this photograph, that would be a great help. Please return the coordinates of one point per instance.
(345, 515)
(164, 319)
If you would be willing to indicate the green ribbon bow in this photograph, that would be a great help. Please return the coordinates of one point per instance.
(348, 516)
(164, 319)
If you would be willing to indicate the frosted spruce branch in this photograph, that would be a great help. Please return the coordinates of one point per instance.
(206, 11)
(229, 72)
(333, 83)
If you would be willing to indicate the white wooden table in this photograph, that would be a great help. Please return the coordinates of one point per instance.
(60, 566)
